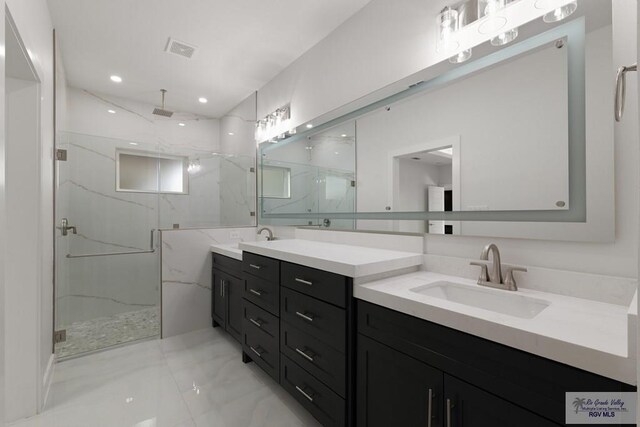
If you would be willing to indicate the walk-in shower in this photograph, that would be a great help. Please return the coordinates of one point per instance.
(112, 198)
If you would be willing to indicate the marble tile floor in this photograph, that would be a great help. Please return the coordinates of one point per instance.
(104, 332)
(195, 380)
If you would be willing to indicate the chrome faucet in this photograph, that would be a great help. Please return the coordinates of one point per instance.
(270, 236)
(495, 277)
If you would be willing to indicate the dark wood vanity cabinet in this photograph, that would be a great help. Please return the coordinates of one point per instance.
(317, 342)
(261, 313)
(226, 294)
(299, 326)
(408, 368)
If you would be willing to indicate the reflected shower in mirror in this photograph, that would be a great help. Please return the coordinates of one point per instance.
(312, 176)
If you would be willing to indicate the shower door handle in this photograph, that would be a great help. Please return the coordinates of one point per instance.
(65, 227)
(621, 89)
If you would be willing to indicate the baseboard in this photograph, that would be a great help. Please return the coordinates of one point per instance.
(47, 380)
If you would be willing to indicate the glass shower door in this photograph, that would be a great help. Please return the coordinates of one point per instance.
(107, 262)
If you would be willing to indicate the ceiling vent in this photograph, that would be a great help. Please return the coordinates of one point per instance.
(179, 48)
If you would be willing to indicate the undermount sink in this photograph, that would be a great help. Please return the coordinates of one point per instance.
(499, 301)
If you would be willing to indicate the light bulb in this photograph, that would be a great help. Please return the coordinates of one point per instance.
(560, 13)
(505, 38)
(461, 57)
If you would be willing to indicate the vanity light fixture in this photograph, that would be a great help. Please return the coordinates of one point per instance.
(116, 79)
(508, 36)
(203, 100)
(560, 13)
(275, 125)
(489, 12)
(447, 26)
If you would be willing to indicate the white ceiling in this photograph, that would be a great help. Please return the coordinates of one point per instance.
(242, 44)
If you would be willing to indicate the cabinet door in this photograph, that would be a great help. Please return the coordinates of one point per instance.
(219, 300)
(234, 288)
(396, 390)
(469, 406)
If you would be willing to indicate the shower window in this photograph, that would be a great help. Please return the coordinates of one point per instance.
(140, 172)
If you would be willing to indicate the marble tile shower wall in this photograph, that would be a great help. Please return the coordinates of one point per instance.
(186, 275)
(106, 221)
(110, 221)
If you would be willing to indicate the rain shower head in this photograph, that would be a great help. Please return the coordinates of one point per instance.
(161, 111)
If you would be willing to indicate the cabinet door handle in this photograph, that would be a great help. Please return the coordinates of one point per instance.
(253, 291)
(256, 351)
(306, 282)
(450, 406)
(257, 267)
(304, 354)
(255, 322)
(430, 407)
(304, 316)
(221, 287)
(304, 394)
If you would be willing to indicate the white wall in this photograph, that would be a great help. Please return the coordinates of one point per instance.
(384, 43)
(34, 24)
(23, 211)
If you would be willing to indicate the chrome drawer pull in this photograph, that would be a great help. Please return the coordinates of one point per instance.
(255, 322)
(256, 351)
(305, 355)
(257, 267)
(306, 282)
(304, 316)
(253, 291)
(304, 394)
(430, 408)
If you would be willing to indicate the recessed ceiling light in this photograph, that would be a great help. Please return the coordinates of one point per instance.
(231, 134)
(133, 143)
(309, 126)
(116, 79)
(111, 111)
(344, 135)
(203, 100)
(181, 124)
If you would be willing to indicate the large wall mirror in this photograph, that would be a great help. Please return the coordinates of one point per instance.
(505, 144)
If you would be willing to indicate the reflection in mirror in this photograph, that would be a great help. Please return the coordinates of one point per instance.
(423, 181)
(320, 172)
(276, 182)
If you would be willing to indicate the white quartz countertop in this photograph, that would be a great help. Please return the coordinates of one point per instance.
(229, 249)
(594, 336)
(347, 260)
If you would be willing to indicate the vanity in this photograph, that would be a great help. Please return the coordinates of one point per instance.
(361, 336)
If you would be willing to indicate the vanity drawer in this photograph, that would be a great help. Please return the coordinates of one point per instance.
(265, 268)
(255, 318)
(326, 286)
(262, 349)
(225, 263)
(262, 293)
(325, 405)
(316, 318)
(322, 361)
